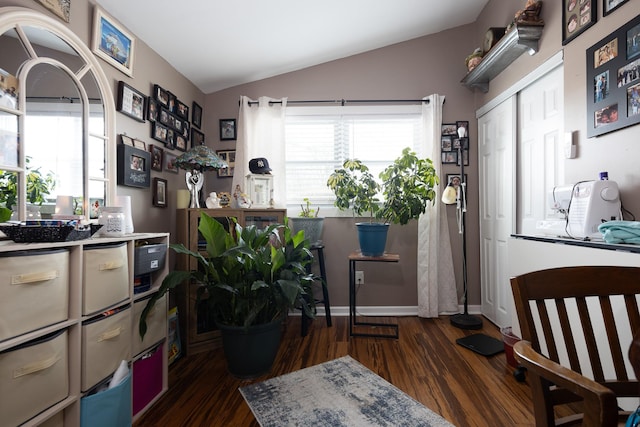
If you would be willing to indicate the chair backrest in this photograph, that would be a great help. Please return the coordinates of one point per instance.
(583, 318)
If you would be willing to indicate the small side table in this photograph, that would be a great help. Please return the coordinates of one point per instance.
(355, 257)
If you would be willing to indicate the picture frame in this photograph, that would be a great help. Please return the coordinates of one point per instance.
(613, 105)
(152, 109)
(159, 132)
(577, 17)
(465, 157)
(449, 157)
(448, 129)
(156, 157)
(609, 6)
(133, 166)
(197, 137)
(462, 124)
(60, 8)
(196, 115)
(180, 142)
(460, 143)
(126, 140)
(107, 33)
(170, 162)
(139, 144)
(161, 95)
(228, 129)
(182, 110)
(446, 143)
(160, 192)
(131, 102)
(228, 156)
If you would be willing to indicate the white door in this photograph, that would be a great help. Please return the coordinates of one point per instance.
(540, 148)
(496, 141)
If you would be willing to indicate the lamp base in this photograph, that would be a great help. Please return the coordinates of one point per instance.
(466, 321)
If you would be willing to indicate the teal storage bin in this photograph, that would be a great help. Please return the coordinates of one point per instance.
(109, 408)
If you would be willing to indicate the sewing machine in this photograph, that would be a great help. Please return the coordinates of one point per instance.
(578, 209)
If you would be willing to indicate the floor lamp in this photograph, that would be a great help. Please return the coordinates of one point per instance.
(458, 196)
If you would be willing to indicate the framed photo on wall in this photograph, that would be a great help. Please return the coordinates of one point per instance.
(577, 17)
(613, 96)
(130, 102)
(197, 137)
(228, 156)
(609, 6)
(196, 115)
(111, 42)
(454, 180)
(160, 192)
(227, 129)
(156, 157)
(170, 162)
(134, 166)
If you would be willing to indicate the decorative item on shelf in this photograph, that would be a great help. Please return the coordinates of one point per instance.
(530, 15)
(491, 37)
(113, 221)
(197, 160)
(457, 194)
(408, 186)
(241, 199)
(260, 183)
(474, 59)
(182, 198)
(225, 199)
(125, 203)
(253, 277)
(212, 201)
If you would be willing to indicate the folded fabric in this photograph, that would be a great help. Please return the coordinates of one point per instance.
(620, 232)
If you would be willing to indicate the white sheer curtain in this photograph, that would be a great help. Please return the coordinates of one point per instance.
(261, 134)
(437, 292)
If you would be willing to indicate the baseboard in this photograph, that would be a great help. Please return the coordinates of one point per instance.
(380, 310)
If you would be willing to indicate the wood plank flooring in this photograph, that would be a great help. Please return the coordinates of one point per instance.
(425, 362)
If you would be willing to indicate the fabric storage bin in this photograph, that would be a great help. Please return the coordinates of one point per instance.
(149, 258)
(147, 378)
(105, 277)
(156, 324)
(108, 408)
(33, 377)
(106, 341)
(34, 290)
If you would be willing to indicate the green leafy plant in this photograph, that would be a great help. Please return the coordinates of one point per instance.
(38, 186)
(407, 186)
(306, 211)
(251, 276)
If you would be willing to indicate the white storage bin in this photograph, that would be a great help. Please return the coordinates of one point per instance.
(34, 290)
(106, 341)
(105, 277)
(33, 377)
(156, 324)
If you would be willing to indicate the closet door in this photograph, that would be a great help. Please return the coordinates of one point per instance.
(496, 154)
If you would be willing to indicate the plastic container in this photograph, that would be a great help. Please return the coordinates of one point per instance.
(509, 340)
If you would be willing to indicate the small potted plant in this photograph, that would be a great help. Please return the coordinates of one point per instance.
(251, 278)
(309, 222)
(402, 193)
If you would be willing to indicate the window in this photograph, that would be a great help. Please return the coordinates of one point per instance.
(319, 139)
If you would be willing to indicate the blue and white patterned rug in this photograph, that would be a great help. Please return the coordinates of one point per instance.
(341, 392)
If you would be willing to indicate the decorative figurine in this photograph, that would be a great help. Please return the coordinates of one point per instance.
(212, 201)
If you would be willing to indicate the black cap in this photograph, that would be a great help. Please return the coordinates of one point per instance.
(259, 165)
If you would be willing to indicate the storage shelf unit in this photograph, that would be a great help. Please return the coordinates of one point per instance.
(74, 320)
(518, 40)
(197, 329)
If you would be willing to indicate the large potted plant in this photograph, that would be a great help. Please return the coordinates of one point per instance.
(252, 278)
(402, 193)
(308, 221)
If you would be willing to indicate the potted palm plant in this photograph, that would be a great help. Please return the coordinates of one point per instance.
(253, 277)
(402, 193)
(308, 221)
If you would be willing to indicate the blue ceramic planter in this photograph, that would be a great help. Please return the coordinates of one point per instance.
(372, 237)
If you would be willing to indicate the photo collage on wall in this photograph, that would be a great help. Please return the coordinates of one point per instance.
(452, 146)
(613, 81)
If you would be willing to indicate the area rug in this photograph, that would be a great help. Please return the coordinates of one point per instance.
(341, 392)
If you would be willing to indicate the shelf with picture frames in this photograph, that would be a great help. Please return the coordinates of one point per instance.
(519, 39)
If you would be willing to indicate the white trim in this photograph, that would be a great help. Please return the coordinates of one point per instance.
(550, 64)
(338, 110)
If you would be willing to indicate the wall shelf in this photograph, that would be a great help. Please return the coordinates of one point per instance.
(520, 39)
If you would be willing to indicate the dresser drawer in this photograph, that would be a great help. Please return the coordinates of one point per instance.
(34, 290)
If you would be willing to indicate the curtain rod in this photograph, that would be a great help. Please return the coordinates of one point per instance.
(343, 102)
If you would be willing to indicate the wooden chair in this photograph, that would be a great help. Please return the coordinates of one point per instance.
(577, 325)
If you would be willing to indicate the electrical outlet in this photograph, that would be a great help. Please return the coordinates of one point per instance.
(359, 277)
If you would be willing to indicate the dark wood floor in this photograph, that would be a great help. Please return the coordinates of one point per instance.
(464, 387)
